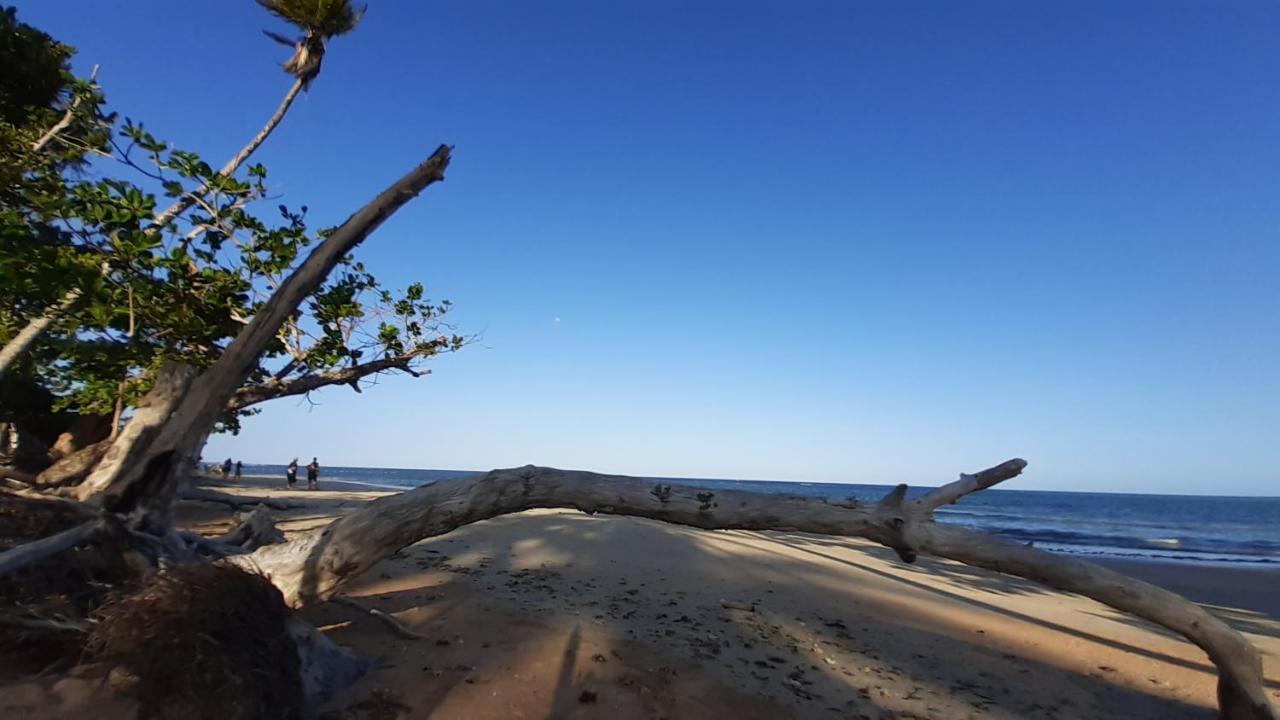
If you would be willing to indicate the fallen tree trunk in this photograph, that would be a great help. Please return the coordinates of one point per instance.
(314, 566)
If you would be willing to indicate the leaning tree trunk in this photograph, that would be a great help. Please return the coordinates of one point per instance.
(314, 566)
(175, 428)
(188, 199)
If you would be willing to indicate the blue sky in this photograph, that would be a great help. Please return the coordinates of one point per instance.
(865, 242)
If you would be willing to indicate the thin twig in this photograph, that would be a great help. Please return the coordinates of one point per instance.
(65, 121)
(391, 622)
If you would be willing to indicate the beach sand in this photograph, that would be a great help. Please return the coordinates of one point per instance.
(559, 614)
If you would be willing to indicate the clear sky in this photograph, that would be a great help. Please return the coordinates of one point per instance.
(866, 242)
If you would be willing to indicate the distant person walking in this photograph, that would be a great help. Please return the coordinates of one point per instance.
(291, 472)
(239, 468)
(313, 475)
(226, 468)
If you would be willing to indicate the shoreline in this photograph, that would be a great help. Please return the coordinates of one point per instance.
(1217, 585)
(1242, 586)
(1133, 563)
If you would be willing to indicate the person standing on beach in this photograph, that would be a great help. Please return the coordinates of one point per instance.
(313, 475)
(291, 472)
(226, 468)
(239, 467)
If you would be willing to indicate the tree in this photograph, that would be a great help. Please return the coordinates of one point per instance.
(149, 290)
(319, 20)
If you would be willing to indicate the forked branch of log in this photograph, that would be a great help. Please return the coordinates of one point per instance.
(951, 492)
(314, 566)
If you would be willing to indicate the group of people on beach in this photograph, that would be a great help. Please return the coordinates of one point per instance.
(225, 468)
(313, 474)
(291, 471)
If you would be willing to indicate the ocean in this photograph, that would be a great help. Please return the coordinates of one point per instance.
(1176, 528)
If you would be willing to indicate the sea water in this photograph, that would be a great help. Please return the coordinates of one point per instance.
(1205, 529)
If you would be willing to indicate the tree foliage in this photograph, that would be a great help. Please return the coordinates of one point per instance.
(81, 214)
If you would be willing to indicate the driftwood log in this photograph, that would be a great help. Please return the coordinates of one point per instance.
(314, 566)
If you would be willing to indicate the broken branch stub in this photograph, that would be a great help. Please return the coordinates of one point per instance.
(951, 492)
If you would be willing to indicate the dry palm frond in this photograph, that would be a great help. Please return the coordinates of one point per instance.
(326, 18)
(318, 20)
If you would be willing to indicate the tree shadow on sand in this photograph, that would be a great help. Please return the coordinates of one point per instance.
(824, 648)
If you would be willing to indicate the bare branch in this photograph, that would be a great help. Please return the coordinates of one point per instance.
(65, 121)
(278, 388)
(951, 492)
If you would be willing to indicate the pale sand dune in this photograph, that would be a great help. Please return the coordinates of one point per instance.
(525, 613)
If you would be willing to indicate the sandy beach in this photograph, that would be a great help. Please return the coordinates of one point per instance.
(559, 614)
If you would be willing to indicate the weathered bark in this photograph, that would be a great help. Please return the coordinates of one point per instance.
(248, 395)
(125, 457)
(314, 566)
(195, 413)
(74, 468)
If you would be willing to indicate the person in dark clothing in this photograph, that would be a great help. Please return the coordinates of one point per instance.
(291, 472)
(313, 475)
(239, 467)
(226, 468)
